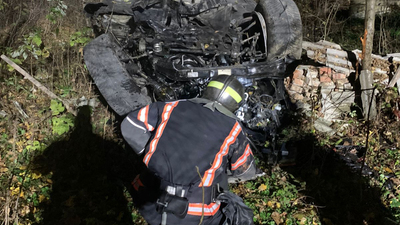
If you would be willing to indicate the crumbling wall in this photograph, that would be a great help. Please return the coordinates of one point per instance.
(328, 82)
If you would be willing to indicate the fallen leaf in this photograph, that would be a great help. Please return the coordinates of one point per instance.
(22, 167)
(387, 169)
(36, 176)
(41, 198)
(262, 187)
(276, 217)
(14, 191)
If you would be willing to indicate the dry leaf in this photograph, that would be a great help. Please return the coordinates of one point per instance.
(36, 176)
(262, 187)
(276, 217)
(41, 198)
(387, 169)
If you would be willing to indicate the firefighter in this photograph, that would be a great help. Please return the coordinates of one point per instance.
(189, 146)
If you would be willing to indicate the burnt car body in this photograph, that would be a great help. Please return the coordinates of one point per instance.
(160, 50)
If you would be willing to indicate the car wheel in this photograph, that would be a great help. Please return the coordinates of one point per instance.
(283, 28)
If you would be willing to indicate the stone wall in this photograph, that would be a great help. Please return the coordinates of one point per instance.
(321, 85)
(326, 82)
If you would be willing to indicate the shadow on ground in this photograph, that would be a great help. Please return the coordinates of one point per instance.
(87, 175)
(341, 194)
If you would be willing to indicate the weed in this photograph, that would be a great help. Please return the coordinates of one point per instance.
(57, 10)
(80, 38)
(61, 123)
(32, 46)
(275, 200)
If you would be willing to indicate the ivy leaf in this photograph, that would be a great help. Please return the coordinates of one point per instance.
(15, 54)
(61, 125)
(56, 107)
(37, 40)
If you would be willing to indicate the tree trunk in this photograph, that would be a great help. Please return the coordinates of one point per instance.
(370, 29)
(366, 76)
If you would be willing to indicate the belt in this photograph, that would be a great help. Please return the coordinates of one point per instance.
(172, 200)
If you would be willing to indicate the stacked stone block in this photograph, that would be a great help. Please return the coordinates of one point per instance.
(332, 88)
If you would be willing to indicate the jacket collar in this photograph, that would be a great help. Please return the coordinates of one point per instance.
(212, 105)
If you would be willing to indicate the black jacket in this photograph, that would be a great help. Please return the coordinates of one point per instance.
(184, 141)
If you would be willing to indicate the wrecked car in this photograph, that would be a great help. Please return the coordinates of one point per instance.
(160, 50)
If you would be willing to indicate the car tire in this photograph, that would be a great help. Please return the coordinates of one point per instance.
(283, 28)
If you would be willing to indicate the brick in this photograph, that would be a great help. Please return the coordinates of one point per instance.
(343, 97)
(315, 82)
(325, 79)
(347, 86)
(341, 81)
(338, 76)
(298, 74)
(298, 82)
(307, 81)
(325, 70)
(308, 94)
(312, 72)
(328, 85)
(343, 84)
(298, 96)
(296, 88)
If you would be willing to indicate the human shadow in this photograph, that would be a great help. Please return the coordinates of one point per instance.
(341, 194)
(88, 177)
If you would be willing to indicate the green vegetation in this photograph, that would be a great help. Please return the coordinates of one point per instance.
(56, 169)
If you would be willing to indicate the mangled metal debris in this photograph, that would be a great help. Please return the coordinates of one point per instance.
(166, 50)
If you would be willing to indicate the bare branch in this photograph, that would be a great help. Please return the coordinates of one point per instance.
(38, 84)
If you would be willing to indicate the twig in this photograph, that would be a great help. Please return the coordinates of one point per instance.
(20, 110)
(109, 22)
(14, 135)
(15, 214)
(202, 188)
(38, 84)
(7, 209)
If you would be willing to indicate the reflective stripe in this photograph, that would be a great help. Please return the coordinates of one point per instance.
(134, 124)
(233, 94)
(210, 173)
(143, 116)
(228, 90)
(196, 209)
(165, 117)
(242, 158)
(216, 84)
